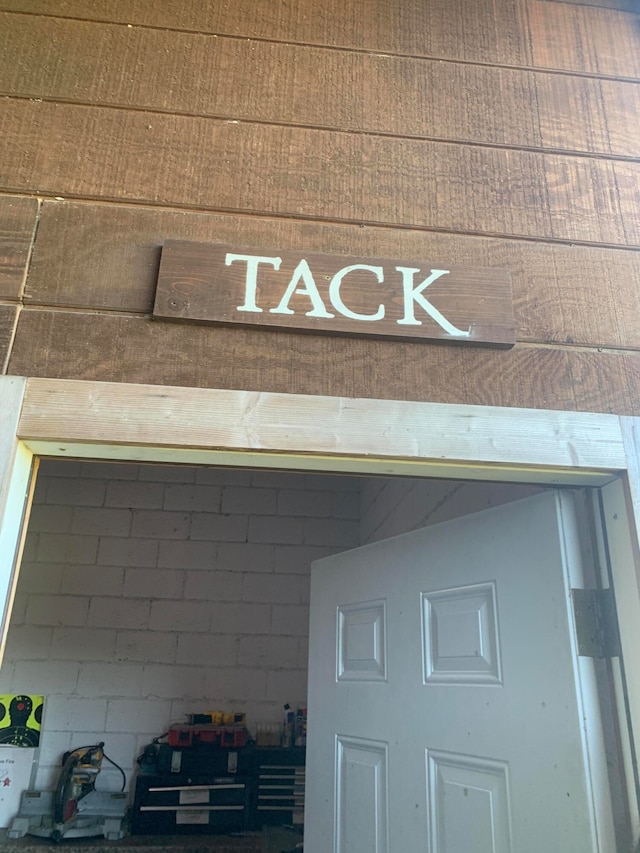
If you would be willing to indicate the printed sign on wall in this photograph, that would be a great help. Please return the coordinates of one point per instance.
(332, 294)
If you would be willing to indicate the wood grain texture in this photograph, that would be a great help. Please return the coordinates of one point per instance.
(585, 37)
(11, 394)
(578, 37)
(7, 322)
(186, 73)
(17, 227)
(106, 257)
(75, 345)
(486, 30)
(222, 165)
(240, 421)
(307, 291)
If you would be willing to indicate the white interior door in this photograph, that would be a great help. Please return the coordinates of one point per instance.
(447, 712)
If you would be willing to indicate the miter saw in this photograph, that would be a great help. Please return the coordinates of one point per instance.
(75, 809)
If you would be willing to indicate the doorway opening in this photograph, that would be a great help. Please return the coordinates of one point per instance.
(147, 592)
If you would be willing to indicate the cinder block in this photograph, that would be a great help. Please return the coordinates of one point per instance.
(276, 589)
(60, 468)
(174, 682)
(192, 497)
(187, 555)
(281, 530)
(345, 505)
(148, 524)
(110, 680)
(134, 495)
(235, 685)
(40, 577)
(311, 504)
(250, 501)
(109, 470)
(288, 686)
(153, 583)
(213, 586)
(30, 551)
(62, 548)
(223, 476)
(141, 553)
(245, 557)
(179, 616)
(280, 652)
(303, 653)
(207, 649)
(6, 675)
(146, 646)
(118, 613)
(334, 532)
(49, 678)
(101, 521)
(50, 518)
(268, 479)
(53, 745)
(93, 580)
(290, 619)
(80, 644)
(57, 610)
(121, 748)
(230, 618)
(166, 473)
(154, 712)
(28, 642)
(19, 609)
(76, 492)
(219, 528)
(333, 482)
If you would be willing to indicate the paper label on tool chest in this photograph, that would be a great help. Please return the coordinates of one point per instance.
(194, 816)
(419, 300)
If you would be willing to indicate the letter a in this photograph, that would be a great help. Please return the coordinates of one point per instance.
(302, 272)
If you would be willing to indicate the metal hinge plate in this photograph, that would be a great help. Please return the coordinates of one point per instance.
(594, 612)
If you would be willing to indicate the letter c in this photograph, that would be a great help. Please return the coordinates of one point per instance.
(336, 299)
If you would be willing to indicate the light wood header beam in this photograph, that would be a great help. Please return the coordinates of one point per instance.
(202, 426)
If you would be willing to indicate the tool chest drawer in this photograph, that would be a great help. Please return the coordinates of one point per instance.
(190, 805)
(279, 780)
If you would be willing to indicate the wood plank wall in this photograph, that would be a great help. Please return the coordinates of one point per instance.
(492, 133)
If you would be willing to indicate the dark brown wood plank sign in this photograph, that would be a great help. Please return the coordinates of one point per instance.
(310, 292)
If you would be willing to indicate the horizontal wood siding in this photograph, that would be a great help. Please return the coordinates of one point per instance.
(78, 345)
(247, 79)
(7, 324)
(18, 218)
(572, 36)
(498, 133)
(221, 165)
(594, 288)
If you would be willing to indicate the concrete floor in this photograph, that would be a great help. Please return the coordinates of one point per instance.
(248, 843)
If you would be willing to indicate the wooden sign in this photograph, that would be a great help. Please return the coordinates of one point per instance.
(332, 294)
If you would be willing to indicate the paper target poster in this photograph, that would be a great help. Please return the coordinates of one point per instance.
(20, 720)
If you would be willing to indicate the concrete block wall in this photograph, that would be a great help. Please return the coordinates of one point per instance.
(389, 507)
(150, 591)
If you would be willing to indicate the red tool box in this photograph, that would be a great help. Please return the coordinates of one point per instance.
(222, 736)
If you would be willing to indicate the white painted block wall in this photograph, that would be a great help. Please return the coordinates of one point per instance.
(147, 592)
(390, 507)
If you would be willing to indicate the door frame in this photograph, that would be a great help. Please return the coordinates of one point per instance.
(195, 426)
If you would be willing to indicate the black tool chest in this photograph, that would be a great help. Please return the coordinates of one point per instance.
(177, 804)
(279, 782)
(267, 790)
